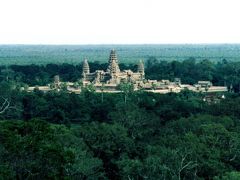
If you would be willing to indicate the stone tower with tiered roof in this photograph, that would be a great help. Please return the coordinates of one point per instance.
(86, 68)
(112, 76)
(140, 67)
(113, 67)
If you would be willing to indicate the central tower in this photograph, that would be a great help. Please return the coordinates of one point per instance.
(113, 67)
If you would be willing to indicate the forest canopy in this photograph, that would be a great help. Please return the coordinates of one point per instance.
(61, 135)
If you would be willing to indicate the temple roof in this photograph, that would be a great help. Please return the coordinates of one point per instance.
(113, 62)
(140, 67)
(86, 67)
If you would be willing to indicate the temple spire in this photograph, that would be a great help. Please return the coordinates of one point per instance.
(114, 66)
(86, 69)
(113, 63)
(56, 81)
(140, 67)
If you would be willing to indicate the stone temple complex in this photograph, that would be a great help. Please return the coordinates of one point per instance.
(113, 76)
(108, 80)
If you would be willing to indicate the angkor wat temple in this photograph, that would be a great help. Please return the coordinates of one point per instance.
(112, 76)
(109, 80)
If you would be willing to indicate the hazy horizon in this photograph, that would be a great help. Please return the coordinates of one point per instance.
(44, 54)
(120, 44)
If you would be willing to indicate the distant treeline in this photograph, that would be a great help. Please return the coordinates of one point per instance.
(73, 54)
(190, 71)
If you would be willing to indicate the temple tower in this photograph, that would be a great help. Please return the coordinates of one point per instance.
(114, 68)
(86, 69)
(113, 63)
(141, 67)
(56, 81)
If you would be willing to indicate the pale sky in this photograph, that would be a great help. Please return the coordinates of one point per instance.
(119, 21)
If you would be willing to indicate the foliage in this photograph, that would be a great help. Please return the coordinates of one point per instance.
(38, 150)
(62, 135)
(58, 54)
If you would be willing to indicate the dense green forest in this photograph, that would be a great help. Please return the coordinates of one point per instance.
(61, 135)
(73, 54)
